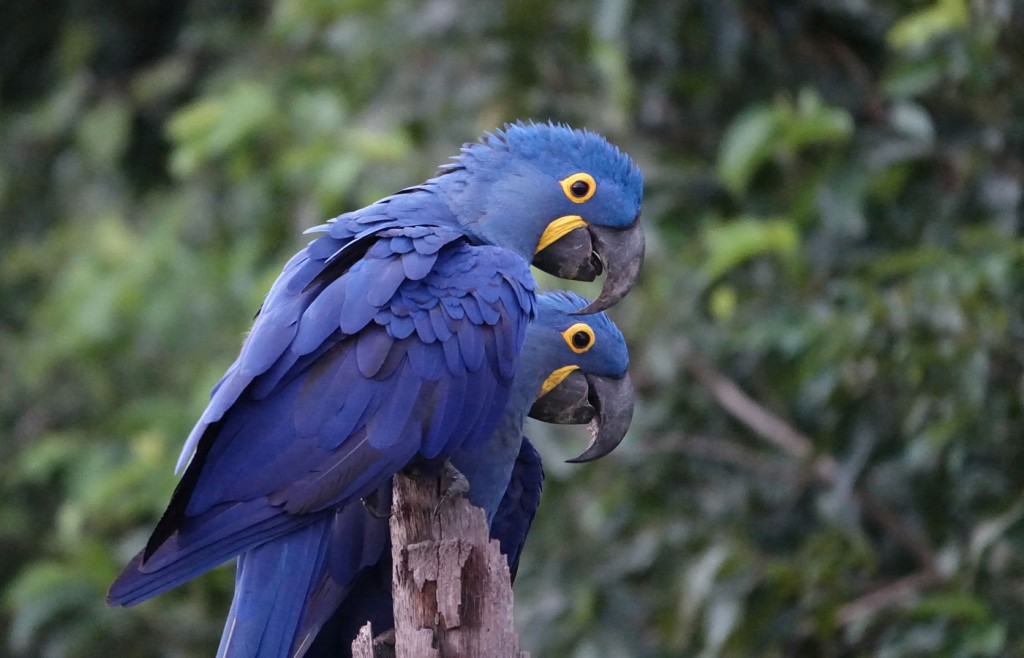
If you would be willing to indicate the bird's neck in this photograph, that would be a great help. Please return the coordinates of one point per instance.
(489, 467)
(514, 232)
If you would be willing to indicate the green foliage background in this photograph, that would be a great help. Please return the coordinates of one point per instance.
(827, 457)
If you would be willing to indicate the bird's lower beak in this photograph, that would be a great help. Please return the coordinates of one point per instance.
(566, 403)
(605, 403)
(584, 252)
(570, 257)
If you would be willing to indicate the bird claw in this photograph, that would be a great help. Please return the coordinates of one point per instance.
(458, 485)
(384, 644)
(373, 505)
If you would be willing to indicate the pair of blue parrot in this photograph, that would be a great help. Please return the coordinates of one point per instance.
(407, 335)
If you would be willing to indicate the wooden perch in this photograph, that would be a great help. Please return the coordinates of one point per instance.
(451, 585)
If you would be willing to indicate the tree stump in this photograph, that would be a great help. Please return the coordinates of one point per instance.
(451, 585)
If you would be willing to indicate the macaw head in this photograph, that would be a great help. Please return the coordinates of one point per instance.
(565, 199)
(577, 364)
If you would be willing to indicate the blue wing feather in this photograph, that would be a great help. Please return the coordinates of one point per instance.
(424, 328)
(427, 363)
(276, 330)
(489, 315)
(439, 324)
(472, 309)
(453, 358)
(321, 318)
(315, 400)
(272, 584)
(401, 326)
(449, 395)
(417, 265)
(372, 348)
(471, 348)
(386, 426)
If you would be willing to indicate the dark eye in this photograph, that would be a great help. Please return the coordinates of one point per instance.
(579, 337)
(579, 189)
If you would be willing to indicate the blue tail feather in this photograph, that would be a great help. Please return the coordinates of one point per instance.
(273, 582)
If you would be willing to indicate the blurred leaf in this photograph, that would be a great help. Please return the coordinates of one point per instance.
(213, 126)
(764, 131)
(103, 132)
(732, 243)
(956, 605)
(41, 596)
(723, 302)
(917, 29)
(747, 145)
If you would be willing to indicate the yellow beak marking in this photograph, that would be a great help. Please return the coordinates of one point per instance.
(555, 378)
(559, 229)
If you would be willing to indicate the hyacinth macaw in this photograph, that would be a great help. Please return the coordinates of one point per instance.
(391, 340)
(573, 369)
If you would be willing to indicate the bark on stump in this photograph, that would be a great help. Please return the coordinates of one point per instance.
(451, 585)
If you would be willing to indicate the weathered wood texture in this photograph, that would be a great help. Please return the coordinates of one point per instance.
(366, 646)
(362, 646)
(453, 595)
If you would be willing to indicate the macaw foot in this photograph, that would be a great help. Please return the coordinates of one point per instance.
(376, 507)
(458, 485)
(384, 644)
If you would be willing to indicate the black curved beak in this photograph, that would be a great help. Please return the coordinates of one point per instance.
(605, 403)
(583, 253)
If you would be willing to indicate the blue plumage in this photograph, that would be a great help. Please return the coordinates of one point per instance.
(330, 430)
(392, 337)
(505, 476)
(265, 600)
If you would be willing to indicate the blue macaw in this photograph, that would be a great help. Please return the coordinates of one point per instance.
(573, 369)
(391, 340)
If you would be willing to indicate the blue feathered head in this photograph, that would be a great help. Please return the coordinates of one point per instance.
(577, 364)
(565, 199)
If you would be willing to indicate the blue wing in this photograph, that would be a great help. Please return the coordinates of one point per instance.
(372, 349)
(519, 505)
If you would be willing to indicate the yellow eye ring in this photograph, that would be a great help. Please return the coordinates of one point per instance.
(579, 337)
(579, 187)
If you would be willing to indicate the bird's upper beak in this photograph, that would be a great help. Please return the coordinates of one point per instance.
(604, 403)
(585, 250)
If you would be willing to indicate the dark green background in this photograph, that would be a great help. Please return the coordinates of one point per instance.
(833, 204)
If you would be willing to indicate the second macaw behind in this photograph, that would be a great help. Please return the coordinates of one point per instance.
(391, 340)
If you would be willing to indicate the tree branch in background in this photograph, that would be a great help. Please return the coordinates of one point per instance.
(776, 431)
(723, 451)
(763, 422)
(897, 591)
